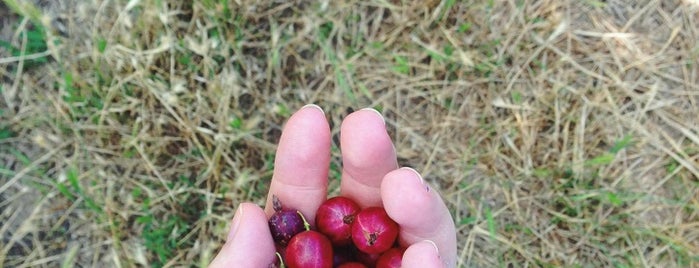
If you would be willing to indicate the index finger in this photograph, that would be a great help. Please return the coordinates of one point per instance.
(300, 178)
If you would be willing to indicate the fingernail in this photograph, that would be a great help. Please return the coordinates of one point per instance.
(377, 112)
(237, 218)
(436, 249)
(417, 174)
(311, 105)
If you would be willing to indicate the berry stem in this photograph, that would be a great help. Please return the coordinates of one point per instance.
(281, 261)
(305, 223)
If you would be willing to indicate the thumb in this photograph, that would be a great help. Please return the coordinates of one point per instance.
(422, 255)
(249, 241)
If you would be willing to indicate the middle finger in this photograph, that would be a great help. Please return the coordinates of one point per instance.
(367, 156)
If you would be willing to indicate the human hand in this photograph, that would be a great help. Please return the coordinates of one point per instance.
(370, 176)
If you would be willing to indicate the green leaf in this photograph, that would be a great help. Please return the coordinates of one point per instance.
(435, 55)
(467, 220)
(136, 192)
(69, 260)
(236, 123)
(64, 190)
(144, 219)
(447, 6)
(21, 157)
(542, 172)
(491, 223)
(613, 199)
(325, 30)
(401, 65)
(448, 50)
(101, 44)
(604, 159)
(597, 4)
(5, 133)
(73, 180)
(376, 45)
(282, 110)
(7, 45)
(516, 97)
(623, 143)
(464, 27)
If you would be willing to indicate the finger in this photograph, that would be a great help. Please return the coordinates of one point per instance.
(367, 155)
(419, 211)
(301, 165)
(422, 255)
(249, 242)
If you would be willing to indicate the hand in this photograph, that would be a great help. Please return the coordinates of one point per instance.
(370, 176)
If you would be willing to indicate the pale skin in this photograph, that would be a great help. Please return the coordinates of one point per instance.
(370, 175)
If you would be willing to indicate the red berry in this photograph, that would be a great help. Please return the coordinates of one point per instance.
(391, 258)
(285, 223)
(352, 265)
(373, 231)
(334, 218)
(309, 249)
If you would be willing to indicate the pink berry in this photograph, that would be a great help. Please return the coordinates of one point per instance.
(334, 218)
(309, 249)
(373, 231)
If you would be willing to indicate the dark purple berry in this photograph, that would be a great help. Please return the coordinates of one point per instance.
(285, 223)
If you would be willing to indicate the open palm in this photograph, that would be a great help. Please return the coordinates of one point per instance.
(370, 176)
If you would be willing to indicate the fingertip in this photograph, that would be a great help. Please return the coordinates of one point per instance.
(405, 194)
(434, 246)
(305, 140)
(301, 163)
(405, 188)
(366, 143)
(424, 254)
(313, 107)
(418, 177)
(376, 112)
(249, 242)
(251, 225)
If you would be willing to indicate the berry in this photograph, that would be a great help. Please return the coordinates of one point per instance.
(373, 231)
(285, 223)
(309, 249)
(334, 218)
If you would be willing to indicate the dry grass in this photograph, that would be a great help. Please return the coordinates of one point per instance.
(561, 133)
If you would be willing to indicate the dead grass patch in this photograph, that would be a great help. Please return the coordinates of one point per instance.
(560, 133)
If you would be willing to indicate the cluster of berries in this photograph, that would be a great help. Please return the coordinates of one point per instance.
(345, 236)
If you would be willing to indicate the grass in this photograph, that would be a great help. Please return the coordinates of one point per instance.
(560, 133)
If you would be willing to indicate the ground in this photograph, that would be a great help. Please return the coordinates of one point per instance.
(559, 133)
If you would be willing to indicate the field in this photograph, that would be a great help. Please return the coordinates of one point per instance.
(559, 133)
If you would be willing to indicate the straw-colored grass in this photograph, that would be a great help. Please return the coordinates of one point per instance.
(560, 133)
